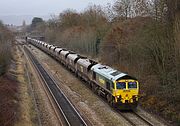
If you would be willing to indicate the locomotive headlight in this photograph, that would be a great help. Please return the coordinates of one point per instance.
(119, 96)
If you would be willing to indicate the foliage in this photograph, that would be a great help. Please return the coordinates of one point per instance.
(78, 31)
(148, 48)
(131, 8)
(35, 22)
(6, 38)
(8, 98)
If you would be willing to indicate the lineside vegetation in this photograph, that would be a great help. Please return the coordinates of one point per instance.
(8, 82)
(6, 39)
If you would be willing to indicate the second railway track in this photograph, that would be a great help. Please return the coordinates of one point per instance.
(70, 114)
(135, 119)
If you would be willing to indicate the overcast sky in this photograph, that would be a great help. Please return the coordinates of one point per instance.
(15, 11)
(44, 7)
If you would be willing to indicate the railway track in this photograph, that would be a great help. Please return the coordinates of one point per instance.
(70, 115)
(135, 119)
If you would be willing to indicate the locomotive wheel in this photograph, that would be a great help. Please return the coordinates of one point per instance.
(109, 97)
(110, 100)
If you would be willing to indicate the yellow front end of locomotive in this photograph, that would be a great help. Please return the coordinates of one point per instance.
(126, 92)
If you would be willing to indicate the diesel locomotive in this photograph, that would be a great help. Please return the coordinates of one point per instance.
(118, 88)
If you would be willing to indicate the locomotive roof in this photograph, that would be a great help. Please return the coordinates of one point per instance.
(108, 72)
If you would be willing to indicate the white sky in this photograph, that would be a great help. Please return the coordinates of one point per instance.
(44, 7)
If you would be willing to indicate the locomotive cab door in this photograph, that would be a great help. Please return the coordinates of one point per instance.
(108, 85)
(94, 76)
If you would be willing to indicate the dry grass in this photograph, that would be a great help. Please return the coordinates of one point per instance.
(26, 111)
(9, 96)
(8, 100)
(16, 106)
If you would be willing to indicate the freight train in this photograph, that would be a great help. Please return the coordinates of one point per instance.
(118, 88)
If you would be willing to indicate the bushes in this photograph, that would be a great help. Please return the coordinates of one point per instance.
(81, 32)
(124, 46)
(8, 98)
(144, 48)
(6, 38)
(79, 39)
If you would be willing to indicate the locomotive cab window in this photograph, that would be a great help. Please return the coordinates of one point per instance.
(120, 85)
(132, 85)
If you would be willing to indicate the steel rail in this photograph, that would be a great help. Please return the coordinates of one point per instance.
(134, 121)
(142, 118)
